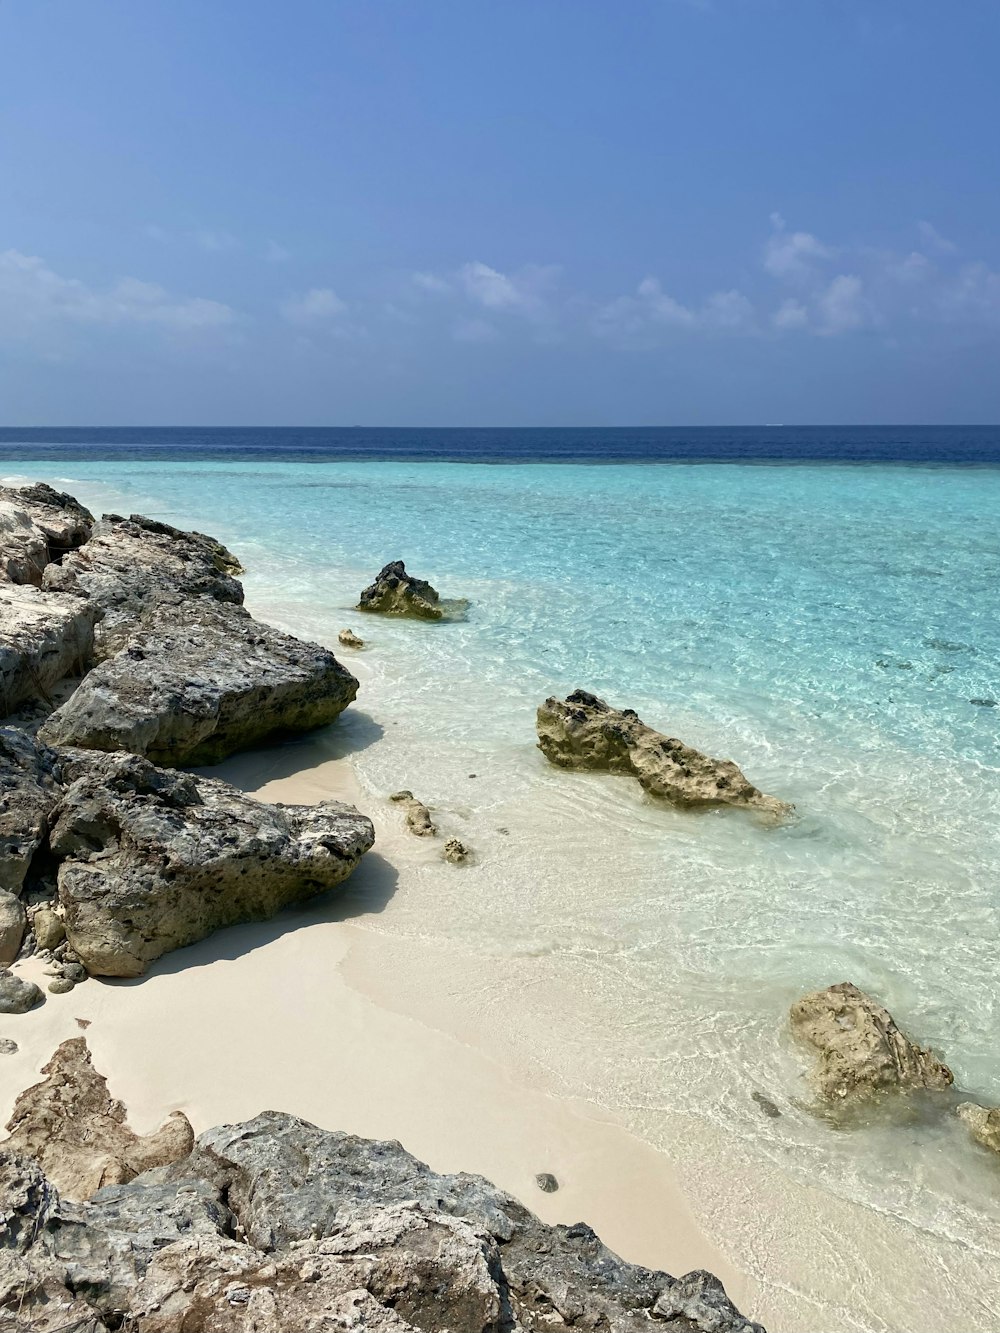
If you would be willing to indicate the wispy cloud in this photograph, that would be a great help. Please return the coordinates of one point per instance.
(792, 254)
(317, 305)
(933, 239)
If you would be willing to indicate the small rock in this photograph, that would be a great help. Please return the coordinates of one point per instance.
(455, 851)
(60, 986)
(13, 921)
(984, 703)
(237, 1295)
(418, 817)
(546, 1182)
(983, 1122)
(7, 1047)
(349, 639)
(396, 593)
(49, 928)
(76, 972)
(17, 996)
(766, 1105)
(83, 1023)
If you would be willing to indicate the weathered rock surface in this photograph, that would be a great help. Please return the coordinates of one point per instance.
(396, 593)
(44, 637)
(28, 791)
(61, 519)
(198, 681)
(24, 552)
(583, 731)
(455, 852)
(79, 1134)
(418, 817)
(983, 1122)
(17, 995)
(152, 860)
(49, 928)
(862, 1053)
(349, 639)
(130, 564)
(279, 1227)
(13, 922)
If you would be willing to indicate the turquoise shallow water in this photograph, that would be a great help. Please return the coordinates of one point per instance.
(827, 627)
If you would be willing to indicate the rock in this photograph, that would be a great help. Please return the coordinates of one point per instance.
(28, 791)
(79, 1135)
(63, 522)
(75, 972)
(24, 552)
(983, 1122)
(699, 1300)
(396, 593)
(766, 1105)
(418, 817)
(13, 920)
(862, 1053)
(153, 859)
(349, 639)
(199, 681)
(17, 996)
(7, 1047)
(60, 986)
(130, 565)
(546, 1182)
(44, 637)
(49, 928)
(455, 851)
(585, 732)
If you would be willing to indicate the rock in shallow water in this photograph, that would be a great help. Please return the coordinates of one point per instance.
(152, 859)
(418, 817)
(585, 732)
(862, 1053)
(396, 593)
(983, 1122)
(349, 639)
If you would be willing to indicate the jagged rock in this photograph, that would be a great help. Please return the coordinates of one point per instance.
(349, 639)
(17, 995)
(13, 921)
(62, 520)
(7, 1047)
(79, 1134)
(198, 681)
(24, 552)
(455, 851)
(152, 859)
(129, 565)
(44, 637)
(28, 791)
(396, 593)
(862, 1053)
(983, 1122)
(418, 817)
(585, 732)
(699, 1300)
(49, 928)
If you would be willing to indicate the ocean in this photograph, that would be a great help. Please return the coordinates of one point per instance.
(819, 605)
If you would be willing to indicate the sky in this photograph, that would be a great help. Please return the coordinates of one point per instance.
(499, 212)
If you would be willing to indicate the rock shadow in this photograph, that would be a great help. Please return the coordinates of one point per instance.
(285, 756)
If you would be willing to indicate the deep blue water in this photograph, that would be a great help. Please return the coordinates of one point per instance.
(948, 446)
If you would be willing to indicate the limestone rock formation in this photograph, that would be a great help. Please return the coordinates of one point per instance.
(79, 1134)
(13, 922)
(396, 593)
(28, 791)
(49, 928)
(17, 994)
(24, 552)
(456, 852)
(983, 1122)
(197, 681)
(151, 860)
(62, 520)
(862, 1053)
(585, 732)
(349, 639)
(418, 817)
(278, 1226)
(44, 637)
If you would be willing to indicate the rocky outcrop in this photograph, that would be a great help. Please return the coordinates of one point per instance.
(199, 680)
(13, 922)
(24, 552)
(983, 1122)
(862, 1053)
(278, 1226)
(38, 525)
(17, 994)
(349, 639)
(396, 593)
(585, 732)
(151, 860)
(43, 638)
(132, 564)
(79, 1134)
(28, 792)
(418, 817)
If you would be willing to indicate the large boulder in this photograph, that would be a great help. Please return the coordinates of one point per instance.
(80, 1135)
(44, 637)
(862, 1054)
(24, 552)
(151, 859)
(13, 922)
(62, 520)
(28, 791)
(583, 731)
(396, 593)
(198, 680)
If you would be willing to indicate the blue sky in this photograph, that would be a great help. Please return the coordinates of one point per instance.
(456, 212)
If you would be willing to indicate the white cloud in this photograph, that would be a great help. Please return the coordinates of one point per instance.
(33, 295)
(791, 314)
(492, 289)
(842, 306)
(933, 239)
(430, 282)
(314, 306)
(662, 307)
(792, 254)
(728, 310)
(631, 317)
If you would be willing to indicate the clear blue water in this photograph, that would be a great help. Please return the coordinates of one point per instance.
(832, 628)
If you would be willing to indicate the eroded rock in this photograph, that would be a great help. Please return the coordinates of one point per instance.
(396, 593)
(13, 922)
(152, 859)
(418, 817)
(349, 639)
(583, 731)
(44, 637)
(983, 1122)
(455, 852)
(62, 520)
(862, 1053)
(17, 995)
(49, 928)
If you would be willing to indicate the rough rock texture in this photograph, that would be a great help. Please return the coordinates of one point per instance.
(79, 1134)
(13, 922)
(28, 791)
(275, 1226)
(49, 928)
(983, 1122)
(61, 519)
(152, 860)
(44, 637)
(17, 995)
(349, 639)
(396, 593)
(129, 565)
(455, 851)
(585, 732)
(862, 1053)
(24, 552)
(418, 817)
(196, 682)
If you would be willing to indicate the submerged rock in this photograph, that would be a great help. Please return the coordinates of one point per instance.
(456, 852)
(862, 1053)
(79, 1134)
(396, 593)
(418, 817)
(152, 860)
(349, 639)
(44, 637)
(983, 1122)
(198, 681)
(585, 732)
(17, 995)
